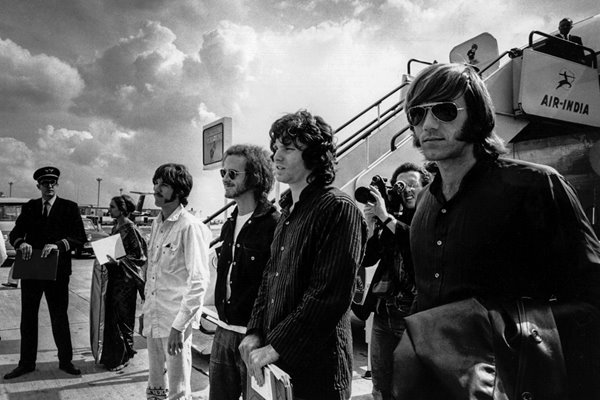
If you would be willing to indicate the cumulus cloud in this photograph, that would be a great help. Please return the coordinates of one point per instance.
(35, 81)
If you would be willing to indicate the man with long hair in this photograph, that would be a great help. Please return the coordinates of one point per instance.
(301, 317)
(502, 252)
(247, 176)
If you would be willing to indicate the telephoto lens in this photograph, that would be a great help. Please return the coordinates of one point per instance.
(363, 195)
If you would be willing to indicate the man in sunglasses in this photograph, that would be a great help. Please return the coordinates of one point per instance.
(247, 176)
(301, 317)
(53, 225)
(488, 234)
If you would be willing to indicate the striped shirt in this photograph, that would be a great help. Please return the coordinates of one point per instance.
(302, 309)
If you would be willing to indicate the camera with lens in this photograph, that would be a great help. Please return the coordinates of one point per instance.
(390, 194)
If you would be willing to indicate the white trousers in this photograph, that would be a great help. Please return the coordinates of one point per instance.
(169, 376)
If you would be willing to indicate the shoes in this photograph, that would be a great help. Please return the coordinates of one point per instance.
(11, 285)
(15, 373)
(118, 367)
(70, 369)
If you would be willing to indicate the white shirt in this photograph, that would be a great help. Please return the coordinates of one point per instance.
(3, 255)
(177, 275)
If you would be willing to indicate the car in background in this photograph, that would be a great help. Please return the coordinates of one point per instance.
(93, 232)
(10, 208)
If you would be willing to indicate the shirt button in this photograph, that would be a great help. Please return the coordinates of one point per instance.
(443, 211)
(250, 221)
(282, 248)
(252, 258)
(233, 263)
(439, 242)
(272, 301)
(437, 275)
(276, 273)
(237, 245)
(287, 222)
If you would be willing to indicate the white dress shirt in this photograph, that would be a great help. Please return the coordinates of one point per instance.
(177, 275)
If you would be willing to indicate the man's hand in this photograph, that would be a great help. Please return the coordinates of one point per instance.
(175, 342)
(379, 206)
(258, 359)
(26, 250)
(248, 344)
(48, 248)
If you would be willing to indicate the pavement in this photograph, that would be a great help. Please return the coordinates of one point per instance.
(49, 383)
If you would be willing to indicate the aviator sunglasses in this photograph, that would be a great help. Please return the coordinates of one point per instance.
(231, 173)
(444, 111)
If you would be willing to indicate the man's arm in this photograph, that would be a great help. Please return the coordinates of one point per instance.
(75, 233)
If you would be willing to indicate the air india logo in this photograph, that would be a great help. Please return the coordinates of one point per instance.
(566, 79)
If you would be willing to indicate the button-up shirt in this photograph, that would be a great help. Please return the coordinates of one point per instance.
(303, 304)
(513, 229)
(177, 274)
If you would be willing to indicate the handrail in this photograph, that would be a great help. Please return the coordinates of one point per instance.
(368, 132)
(566, 42)
(419, 61)
(367, 109)
(393, 146)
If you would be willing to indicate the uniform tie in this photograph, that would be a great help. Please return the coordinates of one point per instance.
(46, 208)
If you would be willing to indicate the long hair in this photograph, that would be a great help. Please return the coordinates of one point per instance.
(124, 203)
(259, 168)
(447, 82)
(178, 177)
(315, 137)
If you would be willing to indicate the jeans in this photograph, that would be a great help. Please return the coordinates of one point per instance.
(388, 328)
(169, 376)
(227, 371)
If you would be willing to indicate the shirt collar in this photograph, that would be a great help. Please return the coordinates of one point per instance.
(481, 165)
(287, 201)
(175, 214)
(50, 201)
(263, 207)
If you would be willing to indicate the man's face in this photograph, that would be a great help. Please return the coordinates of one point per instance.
(412, 179)
(48, 187)
(439, 139)
(163, 193)
(289, 165)
(564, 28)
(234, 181)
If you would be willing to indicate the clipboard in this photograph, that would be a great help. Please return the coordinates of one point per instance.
(277, 386)
(36, 267)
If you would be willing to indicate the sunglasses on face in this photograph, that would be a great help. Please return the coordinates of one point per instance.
(231, 173)
(445, 111)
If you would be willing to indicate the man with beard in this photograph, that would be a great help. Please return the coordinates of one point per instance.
(50, 224)
(176, 281)
(247, 178)
(392, 289)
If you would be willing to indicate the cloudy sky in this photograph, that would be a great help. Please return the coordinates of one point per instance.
(113, 88)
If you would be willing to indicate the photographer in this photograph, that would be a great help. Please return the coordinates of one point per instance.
(388, 211)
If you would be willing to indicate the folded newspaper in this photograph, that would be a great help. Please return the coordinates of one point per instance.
(277, 386)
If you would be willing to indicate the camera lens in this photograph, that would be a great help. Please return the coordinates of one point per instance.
(363, 195)
(399, 186)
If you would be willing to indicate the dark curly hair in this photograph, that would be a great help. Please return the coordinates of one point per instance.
(124, 203)
(406, 167)
(259, 168)
(178, 177)
(315, 137)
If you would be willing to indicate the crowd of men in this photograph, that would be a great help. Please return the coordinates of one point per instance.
(467, 260)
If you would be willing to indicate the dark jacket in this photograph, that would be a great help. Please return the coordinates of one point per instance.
(303, 306)
(63, 227)
(251, 255)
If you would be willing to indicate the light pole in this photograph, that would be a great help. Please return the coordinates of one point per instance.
(98, 204)
(10, 189)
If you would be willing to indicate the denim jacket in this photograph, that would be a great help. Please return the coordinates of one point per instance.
(251, 255)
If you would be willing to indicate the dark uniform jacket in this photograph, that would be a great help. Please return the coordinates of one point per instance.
(62, 227)
(251, 255)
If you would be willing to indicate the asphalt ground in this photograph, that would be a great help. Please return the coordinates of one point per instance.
(49, 383)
